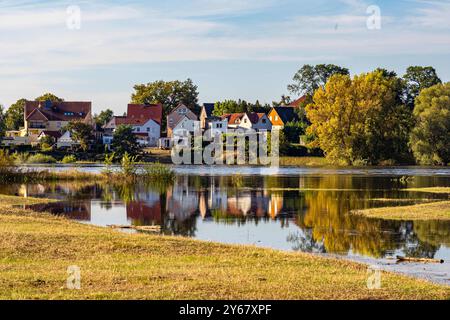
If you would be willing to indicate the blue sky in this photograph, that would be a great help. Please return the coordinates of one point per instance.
(247, 49)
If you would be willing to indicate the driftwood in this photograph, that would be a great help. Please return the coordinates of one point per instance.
(139, 228)
(423, 260)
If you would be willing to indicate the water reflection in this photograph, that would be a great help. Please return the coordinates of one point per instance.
(309, 214)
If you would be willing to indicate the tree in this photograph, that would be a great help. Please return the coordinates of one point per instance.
(430, 137)
(240, 106)
(81, 133)
(169, 93)
(49, 97)
(293, 131)
(418, 78)
(2, 122)
(309, 78)
(14, 115)
(104, 117)
(360, 120)
(46, 142)
(124, 141)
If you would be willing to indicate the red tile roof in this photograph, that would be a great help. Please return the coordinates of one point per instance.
(296, 103)
(141, 113)
(233, 118)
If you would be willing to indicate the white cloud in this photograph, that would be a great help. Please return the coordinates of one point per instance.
(36, 42)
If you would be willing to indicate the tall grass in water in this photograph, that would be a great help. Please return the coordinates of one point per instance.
(159, 171)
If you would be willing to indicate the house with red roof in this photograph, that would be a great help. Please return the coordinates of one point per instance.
(253, 120)
(145, 119)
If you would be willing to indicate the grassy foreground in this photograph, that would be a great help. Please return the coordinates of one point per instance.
(425, 211)
(36, 250)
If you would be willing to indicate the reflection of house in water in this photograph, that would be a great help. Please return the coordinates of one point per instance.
(182, 202)
(275, 205)
(144, 213)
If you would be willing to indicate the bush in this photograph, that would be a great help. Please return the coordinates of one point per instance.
(41, 158)
(69, 159)
(21, 157)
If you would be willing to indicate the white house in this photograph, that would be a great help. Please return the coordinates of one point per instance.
(182, 122)
(65, 141)
(217, 126)
(246, 121)
(145, 120)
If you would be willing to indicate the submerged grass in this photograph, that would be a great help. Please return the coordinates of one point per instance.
(37, 249)
(425, 211)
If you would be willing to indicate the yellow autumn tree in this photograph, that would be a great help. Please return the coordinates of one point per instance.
(359, 120)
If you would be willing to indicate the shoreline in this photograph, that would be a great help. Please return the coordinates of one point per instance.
(296, 275)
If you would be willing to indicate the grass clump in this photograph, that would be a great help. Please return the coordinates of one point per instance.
(425, 211)
(159, 171)
(69, 159)
(41, 158)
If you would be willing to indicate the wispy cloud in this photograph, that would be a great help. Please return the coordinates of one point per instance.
(36, 42)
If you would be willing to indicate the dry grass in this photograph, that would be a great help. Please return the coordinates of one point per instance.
(427, 211)
(430, 190)
(36, 250)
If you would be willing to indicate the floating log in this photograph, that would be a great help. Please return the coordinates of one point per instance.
(139, 228)
(423, 260)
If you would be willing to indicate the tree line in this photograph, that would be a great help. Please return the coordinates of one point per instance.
(372, 118)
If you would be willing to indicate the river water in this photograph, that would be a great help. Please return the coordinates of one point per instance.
(289, 208)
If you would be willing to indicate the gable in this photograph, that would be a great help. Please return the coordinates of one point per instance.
(37, 115)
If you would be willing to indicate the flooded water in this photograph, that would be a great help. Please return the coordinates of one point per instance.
(293, 209)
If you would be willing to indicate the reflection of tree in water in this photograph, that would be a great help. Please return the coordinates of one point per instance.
(304, 242)
(328, 217)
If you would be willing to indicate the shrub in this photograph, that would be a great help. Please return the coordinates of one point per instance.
(128, 165)
(41, 158)
(21, 157)
(69, 159)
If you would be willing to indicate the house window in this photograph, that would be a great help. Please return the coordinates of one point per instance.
(263, 120)
(276, 118)
(138, 129)
(148, 129)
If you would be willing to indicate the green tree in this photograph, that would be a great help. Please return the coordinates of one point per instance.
(46, 142)
(169, 93)
(81, 133)
(418, 78)
(49, 97)
(430, 137)
(310, 78)
(14, 115)
(360, 120)
(240, 106)
(2, 122)
(103, 117)
(293, 131)
(125, 142)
